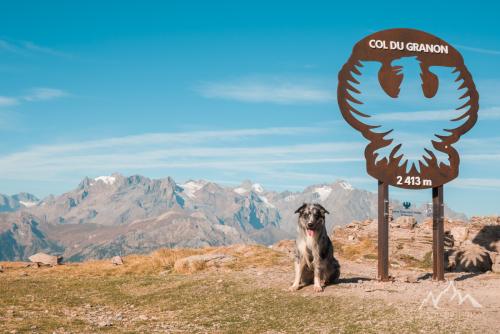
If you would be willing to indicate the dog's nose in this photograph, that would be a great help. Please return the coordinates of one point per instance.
(310, 225)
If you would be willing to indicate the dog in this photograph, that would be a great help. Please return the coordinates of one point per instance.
(314, 260)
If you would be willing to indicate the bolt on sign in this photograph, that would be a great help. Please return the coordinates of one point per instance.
(387, 47)
(438, 162)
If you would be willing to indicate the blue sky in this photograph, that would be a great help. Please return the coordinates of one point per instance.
(224, 91)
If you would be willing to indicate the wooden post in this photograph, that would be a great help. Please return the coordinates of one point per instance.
(437, 234)
(383, 231)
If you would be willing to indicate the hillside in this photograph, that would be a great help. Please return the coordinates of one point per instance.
(119, 215)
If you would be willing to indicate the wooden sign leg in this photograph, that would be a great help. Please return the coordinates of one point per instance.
(437, 234)
(383, 231)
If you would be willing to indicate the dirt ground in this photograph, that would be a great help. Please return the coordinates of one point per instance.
(249, 295)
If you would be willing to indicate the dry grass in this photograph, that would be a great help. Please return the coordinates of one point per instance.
(162, 260)
(411, 262)
(365, 248)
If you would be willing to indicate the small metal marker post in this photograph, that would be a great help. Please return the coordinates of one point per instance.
(437, 234)
(383, 231)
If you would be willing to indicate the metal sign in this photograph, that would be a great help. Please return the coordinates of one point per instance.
(385, 47)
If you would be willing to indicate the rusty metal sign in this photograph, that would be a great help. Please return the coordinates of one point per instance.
(385, 47)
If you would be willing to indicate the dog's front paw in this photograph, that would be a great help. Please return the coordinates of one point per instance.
(293, 288)
(318, 288)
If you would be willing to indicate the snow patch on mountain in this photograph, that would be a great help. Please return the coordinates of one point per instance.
(245, 188)
(257, 188)
(191, 187)
(266, 202)
(28, 204)
(109, 180)
(240, 190)
(323, 192)
(346, 186)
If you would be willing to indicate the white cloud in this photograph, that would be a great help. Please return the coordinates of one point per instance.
(35, 94)
(43, 94)
(418, 116)
(42, 49)
(214, 150)
(25, 48)
(492, 113)
(278, 91)
(6, 101)
(479, 50)
(476, 183)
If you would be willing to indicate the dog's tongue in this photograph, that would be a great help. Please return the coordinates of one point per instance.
(310, 233)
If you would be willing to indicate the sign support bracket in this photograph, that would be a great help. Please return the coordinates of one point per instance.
(383, 231)
(437, 234)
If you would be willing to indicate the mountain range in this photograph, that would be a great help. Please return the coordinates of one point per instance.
(119, 215)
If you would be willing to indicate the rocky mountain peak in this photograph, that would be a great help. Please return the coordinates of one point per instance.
(191, 187)
(17, 202)
(248, 186)
(117, 215)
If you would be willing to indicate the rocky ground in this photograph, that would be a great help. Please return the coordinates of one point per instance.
(241, 289)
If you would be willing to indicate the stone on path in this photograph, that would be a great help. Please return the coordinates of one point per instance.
(42, 258)
(117, 261)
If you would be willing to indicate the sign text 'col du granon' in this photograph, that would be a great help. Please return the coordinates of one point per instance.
(408, 46)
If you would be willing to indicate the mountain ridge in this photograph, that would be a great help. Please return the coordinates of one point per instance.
(119, 215)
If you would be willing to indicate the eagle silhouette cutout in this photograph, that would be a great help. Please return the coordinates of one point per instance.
(412, 106)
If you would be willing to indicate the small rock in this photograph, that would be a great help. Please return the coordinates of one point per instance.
(117, 261)
(411, 279)
(142, 317)
(405, 222)
(1, 269)
(47, 259)
(23, 274)
(459, 233)
(105, 323)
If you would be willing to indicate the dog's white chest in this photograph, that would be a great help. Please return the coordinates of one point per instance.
(306, 244)
(310, 242)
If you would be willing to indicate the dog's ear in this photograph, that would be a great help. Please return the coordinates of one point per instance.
(302, 207)
(322, 209)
